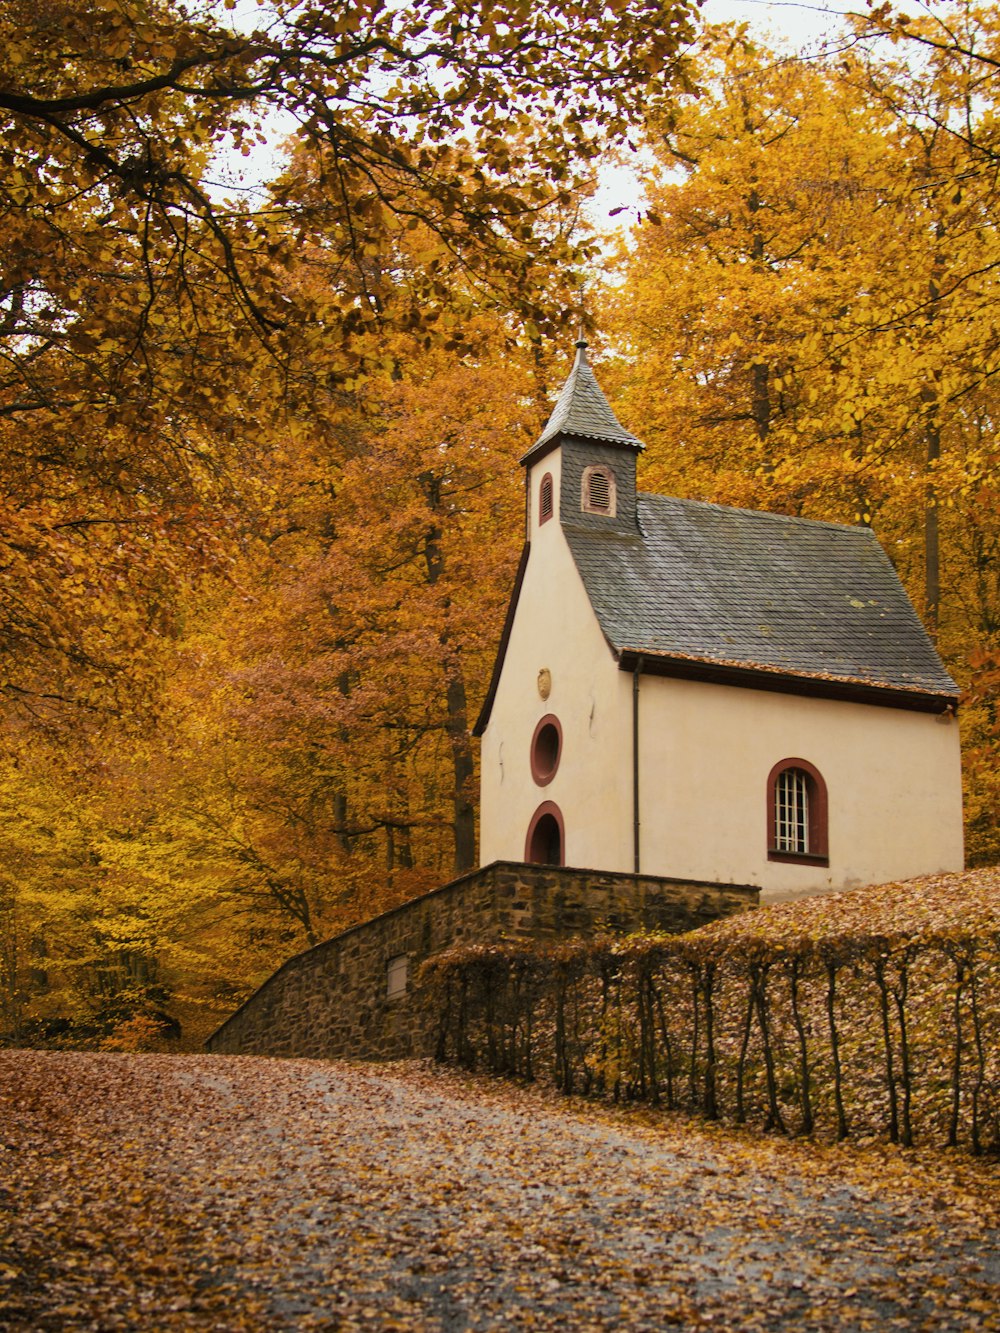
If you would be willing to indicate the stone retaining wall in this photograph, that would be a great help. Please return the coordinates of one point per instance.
(333, 1001)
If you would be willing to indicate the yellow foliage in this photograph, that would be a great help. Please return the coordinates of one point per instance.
(813, 326)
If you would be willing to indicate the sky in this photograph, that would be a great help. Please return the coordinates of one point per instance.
(785, 22)
(795, 23)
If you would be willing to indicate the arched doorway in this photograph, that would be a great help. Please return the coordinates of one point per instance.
(545, 843)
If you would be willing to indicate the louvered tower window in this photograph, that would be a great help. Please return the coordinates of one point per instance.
(545, 501)
(598, 491)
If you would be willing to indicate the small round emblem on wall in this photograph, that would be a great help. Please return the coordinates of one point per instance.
(545, 682)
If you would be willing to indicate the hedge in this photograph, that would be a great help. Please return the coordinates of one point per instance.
(869, 1013)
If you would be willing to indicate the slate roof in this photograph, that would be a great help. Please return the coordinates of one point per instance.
(746, 590)
(582, 410)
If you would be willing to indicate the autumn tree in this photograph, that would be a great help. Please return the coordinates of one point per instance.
(764, 225)
(810, 312)
(944, 89)
(370, 635)
(166, 341)
(135, 297)
(312, 762)
(84, 943)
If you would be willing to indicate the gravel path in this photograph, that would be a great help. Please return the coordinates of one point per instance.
(238, 1193)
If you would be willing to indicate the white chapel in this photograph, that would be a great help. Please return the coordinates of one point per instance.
(705, 693)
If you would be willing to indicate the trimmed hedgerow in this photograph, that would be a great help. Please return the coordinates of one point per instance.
(869, 1013)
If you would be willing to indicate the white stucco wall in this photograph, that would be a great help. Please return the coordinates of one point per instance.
(892, 775)
(893, 781)
(555, 628)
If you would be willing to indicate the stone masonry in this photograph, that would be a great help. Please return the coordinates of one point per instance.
(358, 994)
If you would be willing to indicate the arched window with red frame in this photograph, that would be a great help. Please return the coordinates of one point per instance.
(797, 814)
(545, 844)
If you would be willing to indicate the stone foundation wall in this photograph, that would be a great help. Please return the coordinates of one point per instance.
(333, 1001)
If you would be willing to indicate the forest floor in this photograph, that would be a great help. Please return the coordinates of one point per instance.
(211, 1192)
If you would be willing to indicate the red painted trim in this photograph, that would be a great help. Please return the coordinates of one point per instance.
(819, 816)
(544, 517)
(547, 808)
(543, 767)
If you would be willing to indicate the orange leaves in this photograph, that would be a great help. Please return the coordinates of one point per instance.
(136, 307)
(918, 908)
(310, 760)
(813, 328)
(198, 1191)
(386, 606)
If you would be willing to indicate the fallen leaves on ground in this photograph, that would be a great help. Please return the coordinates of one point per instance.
(176, 1192)
(931, 906)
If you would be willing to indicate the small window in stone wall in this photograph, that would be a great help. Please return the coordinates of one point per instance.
(397, 971)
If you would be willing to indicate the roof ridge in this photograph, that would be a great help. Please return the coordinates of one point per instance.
(756, 513)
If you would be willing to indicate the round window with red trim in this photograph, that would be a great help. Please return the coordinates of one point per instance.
(546, 750)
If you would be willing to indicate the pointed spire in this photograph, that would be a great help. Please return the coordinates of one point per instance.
(583, 411)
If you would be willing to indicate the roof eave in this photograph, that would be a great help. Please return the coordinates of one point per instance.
(539, 450)
(545, 446)
(784, 682)
(491, 693)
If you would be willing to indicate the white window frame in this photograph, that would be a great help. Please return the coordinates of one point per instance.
(791, 812)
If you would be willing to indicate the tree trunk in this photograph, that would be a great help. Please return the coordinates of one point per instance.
(760, 372)
(932, 536)
(456, 704)
(931, 403)
(463, 768)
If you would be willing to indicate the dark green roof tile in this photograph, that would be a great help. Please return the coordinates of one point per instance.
(737, 588)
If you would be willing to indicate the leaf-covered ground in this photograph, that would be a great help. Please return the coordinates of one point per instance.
(166, 1192)
(964, 902)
